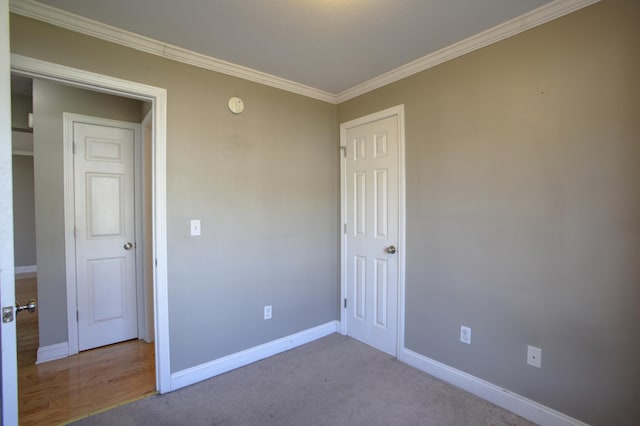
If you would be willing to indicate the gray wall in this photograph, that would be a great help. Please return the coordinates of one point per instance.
(20, 109)
(24, 222)
(523, 213)
(50, 100)
(264, 184)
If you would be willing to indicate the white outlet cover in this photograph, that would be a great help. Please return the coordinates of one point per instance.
(534, 356)
(465, 334)
(268, 312)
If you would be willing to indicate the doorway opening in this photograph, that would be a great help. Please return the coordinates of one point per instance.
(156, 256)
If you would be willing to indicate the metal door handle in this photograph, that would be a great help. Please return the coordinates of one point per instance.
(391, 250)
(128, 246)
(31, 307)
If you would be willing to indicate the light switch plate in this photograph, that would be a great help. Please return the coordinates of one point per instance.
(195, 227)
(465, 334)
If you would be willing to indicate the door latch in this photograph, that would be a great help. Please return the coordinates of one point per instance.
(7, 314)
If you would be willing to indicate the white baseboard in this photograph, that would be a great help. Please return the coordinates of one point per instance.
(504, 398)
(49, 353)
(26, 271)
(213, 368)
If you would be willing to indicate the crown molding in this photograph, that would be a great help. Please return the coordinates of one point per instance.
(80, 24)
(500, 32)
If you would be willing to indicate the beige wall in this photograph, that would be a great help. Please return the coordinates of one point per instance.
(263, 183)
(523, 210)
(24, 222)
(50, 101)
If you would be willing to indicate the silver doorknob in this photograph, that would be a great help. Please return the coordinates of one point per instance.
(128, 246)
(391, 250)
(31, 307)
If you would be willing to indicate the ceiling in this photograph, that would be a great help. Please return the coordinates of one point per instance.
(330, 45)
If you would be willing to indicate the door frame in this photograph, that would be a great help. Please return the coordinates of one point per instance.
(70, 221)
(31, 67)
(396, 111)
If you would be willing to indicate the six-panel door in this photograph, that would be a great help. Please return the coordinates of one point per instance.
(105, 234)
(372, 233)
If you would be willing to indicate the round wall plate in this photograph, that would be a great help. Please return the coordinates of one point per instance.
(236, 105)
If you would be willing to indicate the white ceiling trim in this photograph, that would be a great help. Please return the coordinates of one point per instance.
(80, 24)
(500, 32)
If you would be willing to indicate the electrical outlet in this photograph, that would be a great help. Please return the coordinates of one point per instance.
(465, 334)
(268, 310)
(195, 227)
(534, 356)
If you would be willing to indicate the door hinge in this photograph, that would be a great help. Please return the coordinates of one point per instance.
(344, 228)
(73, 148)
(75, 232)
(77, 316)
(156, 262)
(344, 151)
(345, 303)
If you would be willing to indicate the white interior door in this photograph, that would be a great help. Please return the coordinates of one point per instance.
(372, 232)
(8, 364)
(105, 234)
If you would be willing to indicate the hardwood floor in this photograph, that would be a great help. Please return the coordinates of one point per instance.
(70, 388)
(26, 323)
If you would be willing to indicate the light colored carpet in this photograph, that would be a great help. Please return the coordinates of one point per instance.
(333, 381)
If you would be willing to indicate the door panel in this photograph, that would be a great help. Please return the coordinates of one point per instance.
(105, 281)
(381, 206)
(381, 294)
(104, 215)
(105, 206)
(360, 282)
(372, 226)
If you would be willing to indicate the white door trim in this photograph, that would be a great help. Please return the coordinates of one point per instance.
(145, 287)
(158, 97)
(70, 221)
(139, 221)
(397, 111)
